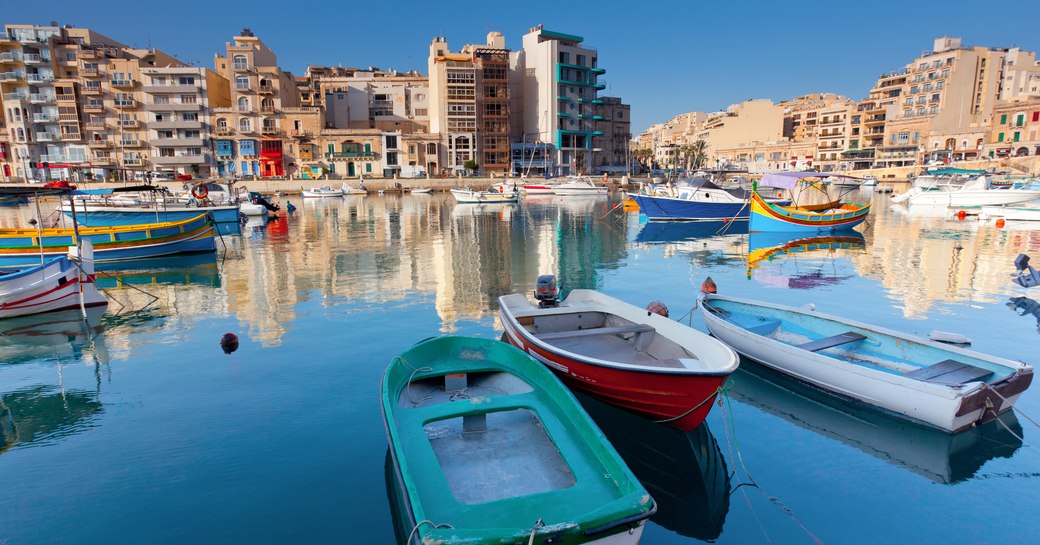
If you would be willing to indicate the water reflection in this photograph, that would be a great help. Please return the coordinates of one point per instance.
(792, 248)
(1024, 306)
(665, 232)
(42, 414)
(64, 335)
(938, 456)
(684, 472)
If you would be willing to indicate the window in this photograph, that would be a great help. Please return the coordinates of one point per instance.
(1020, 120)
(193, 152)
(186, 80)
(368, 167)
(164, 134)
(189, 99)
(244, 125)
(159, 81)
(1000, 137)
(192, 134)
(391, 158)
(190, 116)
(241, 82)
(166, 152)
(243, 104)
(1017, 135)
(391, 142)
(1003, 119)
(1036, 116)
(161, 99)
(241, 63)
(565, 57)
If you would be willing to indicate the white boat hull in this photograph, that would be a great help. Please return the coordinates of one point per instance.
(1013, 213)
(252, 210)
(57, 285)
(930, 403)
(968, 198)
(465, 196)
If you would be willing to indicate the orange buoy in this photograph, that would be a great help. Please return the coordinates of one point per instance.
(961, 214)
(708, 286)
(1000, 223)
(657, 307)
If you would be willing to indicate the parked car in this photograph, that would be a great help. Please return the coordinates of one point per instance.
(155, 176)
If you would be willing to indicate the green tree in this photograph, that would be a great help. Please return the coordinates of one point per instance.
(470, 165)
(699, 153)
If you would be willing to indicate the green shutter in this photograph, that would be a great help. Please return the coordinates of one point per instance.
(1016, 136)
(1003, 119)
(1000, 137)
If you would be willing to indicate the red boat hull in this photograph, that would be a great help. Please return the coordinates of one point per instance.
(679, 400)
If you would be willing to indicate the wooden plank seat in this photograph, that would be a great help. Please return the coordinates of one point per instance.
(831, 342)
(634, 328)
(949, 372)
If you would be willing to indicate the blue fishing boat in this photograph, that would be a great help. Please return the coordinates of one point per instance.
(697, 199)
(24, 247)
(98, 215)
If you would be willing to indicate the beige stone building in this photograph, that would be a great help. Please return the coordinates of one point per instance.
(615, 128)
(757, 120)
(1015, 130)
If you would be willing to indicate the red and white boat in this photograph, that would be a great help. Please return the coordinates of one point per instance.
(620, 353)
(539, 189)
(59, 283)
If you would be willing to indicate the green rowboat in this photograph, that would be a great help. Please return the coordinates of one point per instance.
(488, 447)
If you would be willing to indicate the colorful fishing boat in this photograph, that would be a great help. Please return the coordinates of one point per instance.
(931, 383)
(767, 216)
(22, 247)
(59, 283)
(488, 448)
(620, 353)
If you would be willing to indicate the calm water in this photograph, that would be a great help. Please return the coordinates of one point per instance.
(139, 429)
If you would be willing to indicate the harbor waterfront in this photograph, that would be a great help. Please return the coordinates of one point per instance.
(133, 426)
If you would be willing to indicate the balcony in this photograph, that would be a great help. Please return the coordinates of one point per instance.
(347, 155)
(71, 136)
(223, 131)
(180, 160)
(93, 91)
(131, 143)
(238, 67)
(176, 142)
(125, 103)
(96, 125)
(270, 131)
(99, 142)
(89, 72)
(66, 97)
(175, 125)
(132, 161)
(122, 83)
(33, 58)
(101, 161)
(11, 56)
(93, 107)
(299, 133)
(266, 89)
(11, 76)
(47, 137)
(170, 88)
(267, 109)
(15, 97)
(172, 106)
(44, 118)
(88, 54)
(128, 123)
(42, 98)
(39, 78)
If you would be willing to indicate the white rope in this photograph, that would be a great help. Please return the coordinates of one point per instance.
(1016, 409)
(425, 521)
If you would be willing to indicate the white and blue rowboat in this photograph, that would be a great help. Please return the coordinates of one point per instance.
(930, 383)
(59, 283)
(94, 215)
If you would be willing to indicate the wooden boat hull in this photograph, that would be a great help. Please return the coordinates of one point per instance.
(20, 247)
(874, 379)
(676, 395)
(774, 218)
(55, 285)
(492, 484)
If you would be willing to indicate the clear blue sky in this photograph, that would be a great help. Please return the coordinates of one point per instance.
(663, 58)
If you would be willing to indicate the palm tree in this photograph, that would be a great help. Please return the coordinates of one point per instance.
(699, 153)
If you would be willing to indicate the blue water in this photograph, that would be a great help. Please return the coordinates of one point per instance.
(137, 428)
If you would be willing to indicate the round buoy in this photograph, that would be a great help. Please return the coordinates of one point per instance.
(657, 307)
(1000, 223)
(961, 214)
(229, 343)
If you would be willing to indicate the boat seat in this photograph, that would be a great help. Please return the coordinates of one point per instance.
(831, 342)
(634, 328)
(949, 372)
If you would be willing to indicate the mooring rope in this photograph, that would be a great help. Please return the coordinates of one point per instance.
(721, 389)
(425, 521)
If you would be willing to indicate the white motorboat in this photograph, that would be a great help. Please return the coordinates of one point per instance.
(539, 189)
(1013, 213)
(252, 209)
(468, 196)
(59, 283)
(322, 192)
(578, 187)
(975, 192)
(422, 190)
(927, 382)
(348, 189)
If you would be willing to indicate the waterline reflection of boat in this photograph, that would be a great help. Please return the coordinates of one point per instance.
(766, 247)
(64, 334)
(41, 414)
(679, 231)
(685, 472)
(937, 456)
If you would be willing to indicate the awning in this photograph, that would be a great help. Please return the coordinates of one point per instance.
(943, 171)
(788, 180)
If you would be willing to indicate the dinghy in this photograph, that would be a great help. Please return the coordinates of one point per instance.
(467, 196)
(321, 192)
(931, 383)
(488, 447)
(59, 283)
(619, 353)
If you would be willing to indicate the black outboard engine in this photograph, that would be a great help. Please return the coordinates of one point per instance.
(546, 292)
(262, 201)
(1027, 277)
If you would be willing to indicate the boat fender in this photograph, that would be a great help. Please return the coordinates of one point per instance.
(709, 286)
(199, 192)
(657, 307)
(947, 337)
(1000, 223)
(961, 214)
(229, 343)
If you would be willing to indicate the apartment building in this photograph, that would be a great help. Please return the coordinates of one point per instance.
(250, 139)
(757, 120)
(833, 134)
(556, 81)
(178, 103)
(613, 120)
(1015, 131)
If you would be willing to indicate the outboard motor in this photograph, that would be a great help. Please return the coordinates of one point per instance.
(546, 292)
(1027, 277)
